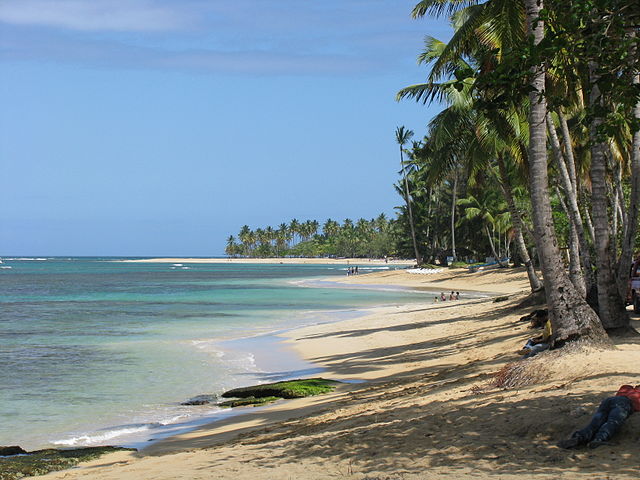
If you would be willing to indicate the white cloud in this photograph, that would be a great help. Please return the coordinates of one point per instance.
(94, 15)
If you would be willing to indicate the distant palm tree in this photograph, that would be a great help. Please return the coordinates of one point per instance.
(294, 228)
(231, 248)
(402, 137)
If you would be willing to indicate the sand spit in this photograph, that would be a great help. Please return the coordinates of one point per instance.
(428, 410)
(277, 261)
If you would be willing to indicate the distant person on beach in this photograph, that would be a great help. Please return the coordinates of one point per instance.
(457, 295)
(356, 270)
(443, 297)
(452, 296)
(611, 414)
(435, 299)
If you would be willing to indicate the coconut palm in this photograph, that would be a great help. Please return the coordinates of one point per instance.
(478, 27)
(402, 137)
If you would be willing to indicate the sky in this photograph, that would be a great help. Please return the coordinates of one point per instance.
(160, 127)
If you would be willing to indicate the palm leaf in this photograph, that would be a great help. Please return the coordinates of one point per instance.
(440, 7)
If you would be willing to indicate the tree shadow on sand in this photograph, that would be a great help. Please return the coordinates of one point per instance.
(491, 434)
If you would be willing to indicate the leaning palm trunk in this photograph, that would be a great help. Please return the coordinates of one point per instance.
(582, 281)
(568, 151)
(610, 306)
(570, 315)
(516, 218)
(587, 219)
(492, 246)
(409, 211)
(453, 218)
(631, 223)
(413, 230)
(575, 273)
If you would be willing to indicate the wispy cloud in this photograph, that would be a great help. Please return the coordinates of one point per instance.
(94, 15)
(107, 54)
(223, 36)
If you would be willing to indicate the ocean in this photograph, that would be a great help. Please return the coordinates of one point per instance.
(96, 351)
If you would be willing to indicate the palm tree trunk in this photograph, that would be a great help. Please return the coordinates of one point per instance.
(409, 212)
(631, 220)
(582, 281)
(575, 273)
(610, 305)
(568, 151)
(516, 218)
(491, 244)
(453, 218)
(570, 315)
(587, 218)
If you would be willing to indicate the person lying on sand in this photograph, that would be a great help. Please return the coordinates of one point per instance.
(611, 414)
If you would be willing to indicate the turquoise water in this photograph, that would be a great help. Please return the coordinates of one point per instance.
(95, 351)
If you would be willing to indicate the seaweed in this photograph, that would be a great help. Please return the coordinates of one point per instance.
(248, 401)
(288, 389)
(40, 462)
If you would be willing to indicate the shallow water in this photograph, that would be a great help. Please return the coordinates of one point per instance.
(96, 351)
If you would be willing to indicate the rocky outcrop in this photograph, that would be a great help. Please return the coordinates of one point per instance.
(13, 450)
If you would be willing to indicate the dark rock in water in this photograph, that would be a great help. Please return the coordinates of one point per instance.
(13, 450)
(201, 400)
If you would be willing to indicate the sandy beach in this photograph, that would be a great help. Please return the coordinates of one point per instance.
(421, 402)
(286, 261)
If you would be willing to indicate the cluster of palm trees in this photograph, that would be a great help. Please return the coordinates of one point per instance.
(373, 238)
(538, 143)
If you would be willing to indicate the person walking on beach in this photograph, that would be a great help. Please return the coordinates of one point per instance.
(611, 414)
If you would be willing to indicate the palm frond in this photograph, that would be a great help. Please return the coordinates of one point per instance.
(438, 8)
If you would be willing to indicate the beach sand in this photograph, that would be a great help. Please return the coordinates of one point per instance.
(287, 261)
(428, 408)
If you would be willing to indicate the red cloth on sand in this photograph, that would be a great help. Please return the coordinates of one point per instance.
(632, 394)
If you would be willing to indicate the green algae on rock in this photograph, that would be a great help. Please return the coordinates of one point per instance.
(40, 462)
(288, 389)
(248, 401)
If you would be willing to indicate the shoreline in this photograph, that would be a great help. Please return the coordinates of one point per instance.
(428, 409)
(275, 261)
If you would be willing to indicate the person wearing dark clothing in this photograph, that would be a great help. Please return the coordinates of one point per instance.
(608, 419)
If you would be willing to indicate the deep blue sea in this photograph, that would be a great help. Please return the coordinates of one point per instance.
(96, 351)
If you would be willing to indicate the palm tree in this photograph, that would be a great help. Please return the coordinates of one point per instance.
(231, 247)
(402, 137)
(294, 228)
(568, 311)
(490, 210)
(463, 138)
(480, 25)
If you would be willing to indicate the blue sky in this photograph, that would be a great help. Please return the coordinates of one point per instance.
(156, 127)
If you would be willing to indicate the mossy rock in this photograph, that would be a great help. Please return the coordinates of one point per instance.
(40, 462)
(504, 298)
(287, 389)
(248, 402)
